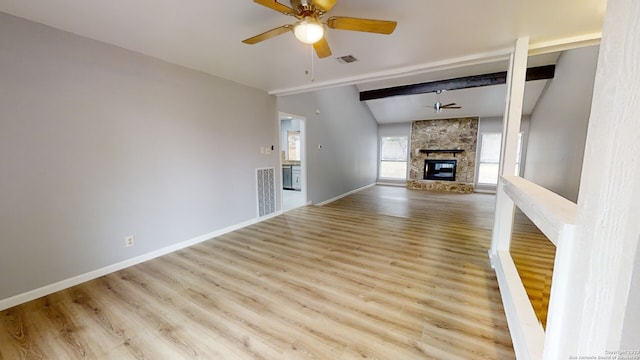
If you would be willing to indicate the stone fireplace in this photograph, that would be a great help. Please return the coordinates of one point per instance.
(443, 154)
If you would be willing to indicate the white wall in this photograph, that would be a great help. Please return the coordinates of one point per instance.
(395, 129)
(494, 124)
(559, 121)
(97, 143)
(347, 132)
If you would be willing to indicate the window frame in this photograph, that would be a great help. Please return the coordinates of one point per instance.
(518, 166)
(381, 160)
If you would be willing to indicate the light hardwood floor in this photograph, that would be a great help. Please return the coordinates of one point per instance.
(387, 273)
(534, 254)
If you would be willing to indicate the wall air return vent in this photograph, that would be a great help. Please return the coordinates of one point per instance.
(266, 191)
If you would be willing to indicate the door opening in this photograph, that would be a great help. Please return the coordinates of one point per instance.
(293, 161)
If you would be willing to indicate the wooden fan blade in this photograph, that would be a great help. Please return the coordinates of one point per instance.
(449, 104)
(274, 5)
(324, 5)
(267, 35)
(322, 48)
(452, 107)
(358, 24)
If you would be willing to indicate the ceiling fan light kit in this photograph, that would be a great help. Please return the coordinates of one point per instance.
(309, 28)
(438, 106)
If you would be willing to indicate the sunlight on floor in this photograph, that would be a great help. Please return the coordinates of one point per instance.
(292, 199)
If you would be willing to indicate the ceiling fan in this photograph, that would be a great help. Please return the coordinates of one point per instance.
(438, 106)
(309, 27)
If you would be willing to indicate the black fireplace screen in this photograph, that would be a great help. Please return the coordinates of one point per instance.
(440, 170)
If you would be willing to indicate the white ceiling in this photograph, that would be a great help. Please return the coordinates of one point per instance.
(433, 38)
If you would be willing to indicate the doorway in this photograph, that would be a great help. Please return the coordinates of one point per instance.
(293, 161)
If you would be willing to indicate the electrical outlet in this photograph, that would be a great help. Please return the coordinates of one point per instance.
(129, 241)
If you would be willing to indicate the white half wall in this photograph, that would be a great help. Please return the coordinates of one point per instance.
(98, 143)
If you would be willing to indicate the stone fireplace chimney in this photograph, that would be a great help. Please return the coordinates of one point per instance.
(443, 141)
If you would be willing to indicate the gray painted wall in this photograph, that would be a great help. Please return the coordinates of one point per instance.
(559, 122)
(97, 143)
(348, 134)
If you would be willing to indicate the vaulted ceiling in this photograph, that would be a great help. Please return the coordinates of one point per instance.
(433, 37)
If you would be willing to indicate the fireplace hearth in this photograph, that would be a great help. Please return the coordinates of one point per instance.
(444, 170)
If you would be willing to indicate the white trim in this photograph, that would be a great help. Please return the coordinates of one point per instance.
(550, 212)
(504, 208)
(345, 195)
(527, 333)
(79, 279)
(484, 191)
(406, 160)
(560, 314)
(401, 183)
(569, 43)
(303, 156)
(474, 59)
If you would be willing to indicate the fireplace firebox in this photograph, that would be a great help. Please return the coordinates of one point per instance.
(440, 170)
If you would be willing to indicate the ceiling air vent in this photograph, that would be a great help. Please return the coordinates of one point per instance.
(347, 59)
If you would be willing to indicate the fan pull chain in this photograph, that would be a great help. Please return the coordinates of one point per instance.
(313, 70)
(309, 49)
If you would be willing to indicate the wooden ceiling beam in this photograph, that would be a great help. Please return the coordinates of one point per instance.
(498, 78)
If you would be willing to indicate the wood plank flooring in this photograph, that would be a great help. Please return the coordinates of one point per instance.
(534, 255)
(387, 273)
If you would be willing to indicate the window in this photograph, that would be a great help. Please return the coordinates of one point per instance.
(488, 168)
(293, 145)
(393, 157)
(489, 158)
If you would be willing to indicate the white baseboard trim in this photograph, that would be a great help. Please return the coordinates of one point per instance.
(398, 184)
(344, 195)
(484, 191)
(79, 279)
